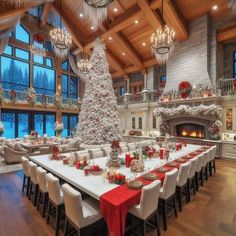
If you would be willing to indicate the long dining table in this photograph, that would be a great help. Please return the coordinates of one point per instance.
(114, 200)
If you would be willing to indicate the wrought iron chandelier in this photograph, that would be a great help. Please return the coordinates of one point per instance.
(232, 5)
(61, 40)
(84, 65)
(96, 10)
(162, 42)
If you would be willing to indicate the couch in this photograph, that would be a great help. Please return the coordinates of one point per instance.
(13, 156)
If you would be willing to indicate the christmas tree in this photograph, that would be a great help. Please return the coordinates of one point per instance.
(99, 121)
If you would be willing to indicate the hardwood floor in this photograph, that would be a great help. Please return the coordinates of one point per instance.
(211, 212)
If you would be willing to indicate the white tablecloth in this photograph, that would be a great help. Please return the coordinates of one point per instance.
(93, 185)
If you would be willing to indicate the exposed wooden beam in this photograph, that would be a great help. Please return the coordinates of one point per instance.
(129, 50)
(19, 11)
(174, 18)
(46, 10)
(132, 69)
(151, 15)
(226, 34)
(121, 22)
(114, 63)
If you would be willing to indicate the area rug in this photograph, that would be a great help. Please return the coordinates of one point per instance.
(5, 168)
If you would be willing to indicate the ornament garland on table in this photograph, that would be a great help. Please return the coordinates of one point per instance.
(215, 129)
(1, 128)
(185, 110)
(99, 117)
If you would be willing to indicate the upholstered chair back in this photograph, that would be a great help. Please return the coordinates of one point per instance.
(131, 147)
(33, 173)
(183, 174)
(169, 184)
(124, 148)
(149, 198)
(193, 167)
(213, 153)
(97, 154)
(73, 204)
(54, 190)
(106, 151)
(206, 156)
(25, 165)
(41, 174)
(199, 163)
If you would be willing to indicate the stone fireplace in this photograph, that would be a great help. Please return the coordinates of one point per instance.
(190, 130)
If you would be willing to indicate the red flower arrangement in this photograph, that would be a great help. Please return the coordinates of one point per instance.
(34, 134)
(13, 93)
(115, 144)
(184, 89)
(55, 153)
(38, 38)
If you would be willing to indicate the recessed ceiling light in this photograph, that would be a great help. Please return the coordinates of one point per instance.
(144, 44)
(115, 10)
(92, 27)
(136, 21)
(123, 53)
(81, 15)
(110, 38)
(215, 7)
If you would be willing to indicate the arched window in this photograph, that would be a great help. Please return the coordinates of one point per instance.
(22, 34)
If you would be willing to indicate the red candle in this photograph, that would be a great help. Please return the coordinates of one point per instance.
(161, 153)
(96, 168)
(127, 160)
(77, 165)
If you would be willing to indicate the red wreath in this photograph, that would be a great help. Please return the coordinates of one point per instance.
(38, 38)
(184, 89)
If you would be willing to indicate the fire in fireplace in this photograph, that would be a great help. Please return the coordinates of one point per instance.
(190, 130)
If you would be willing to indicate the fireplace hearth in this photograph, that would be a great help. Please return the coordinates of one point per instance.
(190, 130)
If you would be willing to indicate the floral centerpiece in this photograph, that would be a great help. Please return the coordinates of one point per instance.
(58, 127)
(147, 152)
(31, 97)
(33, 136)
(214, 130)
(114, 160)
(164, 129)
(1, 128)
(13, 95)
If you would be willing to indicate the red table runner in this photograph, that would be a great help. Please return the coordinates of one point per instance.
(115, 204)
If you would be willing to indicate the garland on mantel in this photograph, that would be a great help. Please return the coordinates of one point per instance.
(185, 110)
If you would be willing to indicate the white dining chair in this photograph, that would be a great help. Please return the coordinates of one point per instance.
(191, 184)
(181, 183)
(33, 191)
(106, 151)
(56, 200)
(212, 164)
(131, 147)
(79, 213)
(124, 148)
(167, 194)
(198, 172)
(147, 208)
(97, 154)
(205, 164)
(26, 176)
(43, 190)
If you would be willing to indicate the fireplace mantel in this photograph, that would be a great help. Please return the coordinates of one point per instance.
(192, 101)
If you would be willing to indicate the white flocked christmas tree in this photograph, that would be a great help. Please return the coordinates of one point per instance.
(99, 121)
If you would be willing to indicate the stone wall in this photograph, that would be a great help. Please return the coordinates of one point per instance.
(190, 58)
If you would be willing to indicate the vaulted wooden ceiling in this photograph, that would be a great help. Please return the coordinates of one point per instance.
(128, 28)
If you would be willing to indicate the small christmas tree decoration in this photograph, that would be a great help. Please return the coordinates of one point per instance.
(99, 121)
